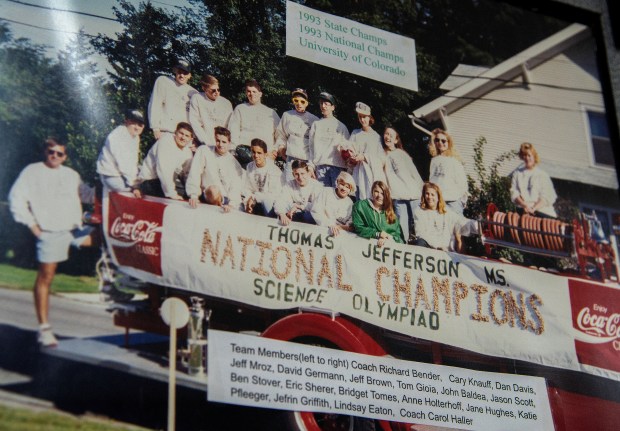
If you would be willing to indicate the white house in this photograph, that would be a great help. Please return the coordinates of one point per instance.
(550, 95)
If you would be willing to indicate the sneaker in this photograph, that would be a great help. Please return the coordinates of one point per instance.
(46, 337)
(109, 293)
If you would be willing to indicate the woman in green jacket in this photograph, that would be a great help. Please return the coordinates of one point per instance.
(375, 217)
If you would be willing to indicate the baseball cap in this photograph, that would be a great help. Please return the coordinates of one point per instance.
(362, 108)
(328, 97)
(134, 115)
(183, 65)
(299, 92)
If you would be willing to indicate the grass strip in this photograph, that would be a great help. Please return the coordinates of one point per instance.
(13, 277)
(19, 419)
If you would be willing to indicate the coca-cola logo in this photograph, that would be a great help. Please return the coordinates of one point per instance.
(605, 327)
(142, 231)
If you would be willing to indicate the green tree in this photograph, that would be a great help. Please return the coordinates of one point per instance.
(488, 186)
(88, 107)
(29, 102)
(149, 46)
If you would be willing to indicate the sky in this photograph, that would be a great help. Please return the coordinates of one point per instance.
(53, 23)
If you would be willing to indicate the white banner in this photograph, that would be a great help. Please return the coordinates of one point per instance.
(484, 306)
(349, 46)
(260, 372)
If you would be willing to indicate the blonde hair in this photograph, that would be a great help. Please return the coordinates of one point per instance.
(527, 147)
(432, 147)
(347, 178)
(441, 204)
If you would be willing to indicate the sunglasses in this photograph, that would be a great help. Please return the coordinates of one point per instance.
(182, 72)
(214, 90)
(55, 153)
(300, 100)
(437, 140)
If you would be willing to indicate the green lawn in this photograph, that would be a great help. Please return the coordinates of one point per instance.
(18, 419)
(23, 279)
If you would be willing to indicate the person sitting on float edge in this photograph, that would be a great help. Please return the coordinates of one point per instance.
(117, 164)
(213, 196)
(531, 188)
(166, 165)
(297, 196)
(375, 217)
(218, 168)
(437, 226)
(293, 132)
(208, 110)
(169, 103)
(332, 207)
(262, 181)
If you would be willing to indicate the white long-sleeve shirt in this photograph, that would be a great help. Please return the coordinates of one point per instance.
(263, 184)
(206, 114)
(49, 197)
(169, 104)
(253, 121)
(209, 168)
(166, 161)
(449, 174)
(328, 209)
(293, 194)
(532, 185)
(402, 176)
(293, 133)
(119, 155)
(327, 137)
(365, 173)
(438, 230)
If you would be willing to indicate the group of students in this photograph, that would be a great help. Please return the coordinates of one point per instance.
(360, 181)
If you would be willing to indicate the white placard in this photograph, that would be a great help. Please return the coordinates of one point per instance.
(259, 372)
(349, 46)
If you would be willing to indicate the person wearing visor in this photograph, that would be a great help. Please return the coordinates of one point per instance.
(367, 157)
(328, 136)
(208, 110)
(293, 132)
(170, 99)
(117, 164)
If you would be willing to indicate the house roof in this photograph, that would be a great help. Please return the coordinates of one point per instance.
(460, 75)
(468, 89)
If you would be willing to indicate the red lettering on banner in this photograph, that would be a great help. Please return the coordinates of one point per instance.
(596, 317)
(134, 232)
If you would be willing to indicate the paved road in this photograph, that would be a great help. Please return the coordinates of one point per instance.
(72, 315)
(78, 388)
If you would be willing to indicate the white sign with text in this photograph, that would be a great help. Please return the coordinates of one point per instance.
(349, 46)
(260, 372)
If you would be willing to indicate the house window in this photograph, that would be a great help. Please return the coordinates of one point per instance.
(599, 136)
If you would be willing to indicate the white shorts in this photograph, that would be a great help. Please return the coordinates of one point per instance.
(53, 247)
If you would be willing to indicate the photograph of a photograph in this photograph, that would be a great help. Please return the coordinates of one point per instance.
(309, 215)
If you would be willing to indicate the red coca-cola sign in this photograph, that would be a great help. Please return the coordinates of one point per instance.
(596, 319)
(134, 232)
